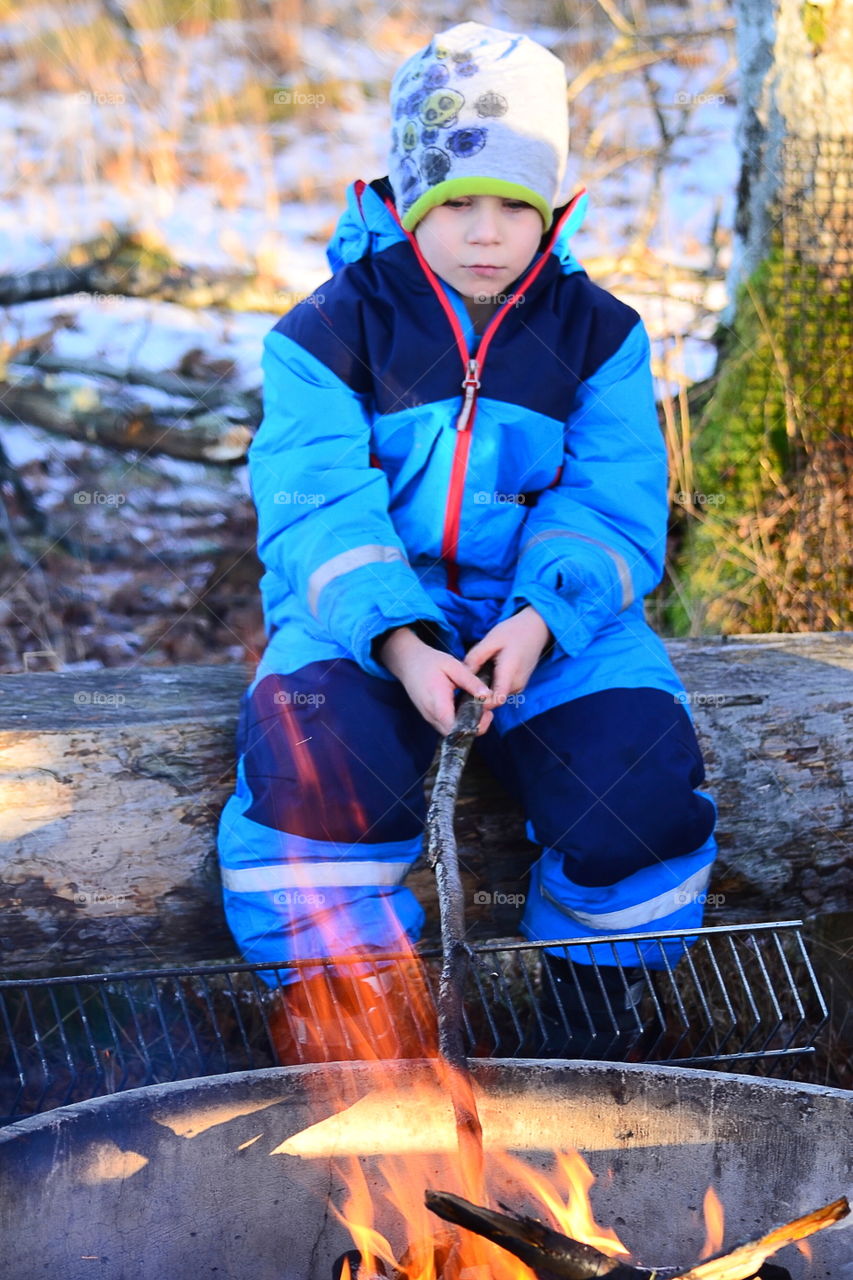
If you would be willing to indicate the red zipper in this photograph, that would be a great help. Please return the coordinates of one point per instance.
(473, 367)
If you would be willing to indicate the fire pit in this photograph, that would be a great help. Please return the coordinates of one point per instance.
(233, 1176)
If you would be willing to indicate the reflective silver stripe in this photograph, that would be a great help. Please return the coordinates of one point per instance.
(370, 553)
(644, 912)
(618, 559)
(313, 875)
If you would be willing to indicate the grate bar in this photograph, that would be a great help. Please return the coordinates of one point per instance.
(720, 996)
(482, 948)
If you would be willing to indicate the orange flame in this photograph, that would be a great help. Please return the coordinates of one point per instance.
(714, 1224)
(377, 1012)
(432, 1254)
(576, 1219)
(380, 1011)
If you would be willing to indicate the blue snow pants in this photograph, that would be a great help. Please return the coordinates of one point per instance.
(328, 814)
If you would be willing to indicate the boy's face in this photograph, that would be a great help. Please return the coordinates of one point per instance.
(479, 244)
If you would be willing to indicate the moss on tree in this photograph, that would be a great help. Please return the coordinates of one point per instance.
(766, 521)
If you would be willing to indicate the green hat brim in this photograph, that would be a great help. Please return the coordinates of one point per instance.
(453, 188)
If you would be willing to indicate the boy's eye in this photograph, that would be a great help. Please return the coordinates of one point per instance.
(463, 202)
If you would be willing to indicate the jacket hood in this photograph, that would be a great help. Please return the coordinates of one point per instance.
(367, 227)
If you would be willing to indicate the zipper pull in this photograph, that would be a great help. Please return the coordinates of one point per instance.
(470, 385)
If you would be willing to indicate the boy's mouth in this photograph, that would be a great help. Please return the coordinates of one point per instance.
(484, 269)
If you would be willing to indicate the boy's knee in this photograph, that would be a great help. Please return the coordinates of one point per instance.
(610, 781)
(331, 753)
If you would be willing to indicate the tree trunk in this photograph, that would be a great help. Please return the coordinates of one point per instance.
(769, 548)
(111, 785)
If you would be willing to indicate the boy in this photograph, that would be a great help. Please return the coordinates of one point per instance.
(460, 460)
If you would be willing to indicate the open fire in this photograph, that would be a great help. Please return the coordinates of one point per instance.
(237, 1175)
(364, 1011)
(429, 1168)
(546, 1226)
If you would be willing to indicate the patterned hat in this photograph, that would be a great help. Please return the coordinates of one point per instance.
(478, 112)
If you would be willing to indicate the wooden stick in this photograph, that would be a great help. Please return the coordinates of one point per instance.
(742, 1262)
(443, 858)
(548, 1252)
(551, 1254)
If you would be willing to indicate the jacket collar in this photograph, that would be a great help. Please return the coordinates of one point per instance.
(367, 227)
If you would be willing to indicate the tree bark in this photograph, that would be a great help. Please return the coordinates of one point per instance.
(111, 785)
(442, 856)
(796, 93)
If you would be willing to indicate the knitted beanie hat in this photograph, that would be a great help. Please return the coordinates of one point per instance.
(478, 112)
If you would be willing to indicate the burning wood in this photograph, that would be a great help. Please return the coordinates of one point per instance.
(437, 1256)
(737, 1264)
(554, 1256)
(549, 1252)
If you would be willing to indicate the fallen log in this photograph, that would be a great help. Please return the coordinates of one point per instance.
(554, 1256)
(111, 785)
(213, 394)
(123, 263)
(79, 414)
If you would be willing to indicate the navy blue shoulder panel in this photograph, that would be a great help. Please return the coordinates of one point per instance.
(328, 324)
(379, 326)
(560, 335)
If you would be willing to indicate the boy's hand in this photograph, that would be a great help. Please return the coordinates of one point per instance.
(431, 678)
(516, 645)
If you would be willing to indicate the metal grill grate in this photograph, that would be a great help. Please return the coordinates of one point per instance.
(720, 997)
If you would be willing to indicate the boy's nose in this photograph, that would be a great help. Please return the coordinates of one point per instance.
(484, 227)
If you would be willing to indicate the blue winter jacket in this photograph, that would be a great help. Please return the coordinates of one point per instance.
(406, 472)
